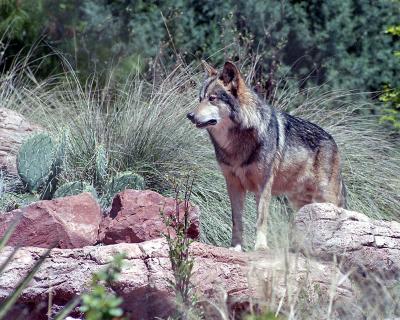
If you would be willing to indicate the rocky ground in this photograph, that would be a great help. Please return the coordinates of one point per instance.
(237, 280)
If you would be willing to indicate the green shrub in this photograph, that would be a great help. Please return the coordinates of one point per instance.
(391, 111)
(391, 96)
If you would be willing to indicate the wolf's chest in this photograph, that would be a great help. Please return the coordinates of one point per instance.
(237, 150)
(251, 177)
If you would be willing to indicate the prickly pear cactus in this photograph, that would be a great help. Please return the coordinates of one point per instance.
(101, 166)
(34, 160)
(55, 170)
(124, 180)
(73, 188)
(120, 182)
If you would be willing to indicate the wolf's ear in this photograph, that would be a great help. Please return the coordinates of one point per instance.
(231, 78)
(210, 71)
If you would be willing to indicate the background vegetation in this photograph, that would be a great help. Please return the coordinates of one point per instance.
(339, 42)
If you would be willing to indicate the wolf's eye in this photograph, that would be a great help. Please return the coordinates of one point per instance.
(212, 98)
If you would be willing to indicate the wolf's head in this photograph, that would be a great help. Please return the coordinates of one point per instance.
(221, 97)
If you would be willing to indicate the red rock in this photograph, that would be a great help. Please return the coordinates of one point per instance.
(135, 217)
(70, 222)
(14, 128)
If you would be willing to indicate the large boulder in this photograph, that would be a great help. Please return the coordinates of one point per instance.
(231, 280)
(14, 128)
(70, 222)
(135, 217)
(359, 243)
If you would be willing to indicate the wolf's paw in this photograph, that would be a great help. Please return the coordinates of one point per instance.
(237, 248)
(261, 247)
(261, 242)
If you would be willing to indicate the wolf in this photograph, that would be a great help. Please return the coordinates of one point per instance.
(264, 151)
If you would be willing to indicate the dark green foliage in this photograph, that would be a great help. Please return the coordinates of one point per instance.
(343, 42)
(21, 20)
(339, 42)
(73, 188)
(391, 96)
(99, 303)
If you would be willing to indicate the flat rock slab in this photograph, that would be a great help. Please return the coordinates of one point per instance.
(358, 242)
(219, 273)
(70, 222)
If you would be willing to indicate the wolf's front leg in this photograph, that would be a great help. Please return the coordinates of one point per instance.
(262, 199)
(237, 195)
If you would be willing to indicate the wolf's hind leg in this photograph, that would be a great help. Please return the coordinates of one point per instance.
(329, 184)
(237, 195)
(263, 199)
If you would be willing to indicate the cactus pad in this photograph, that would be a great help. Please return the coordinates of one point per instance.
(35, 159)
(124, 180)
(120, 182)
(73, 188)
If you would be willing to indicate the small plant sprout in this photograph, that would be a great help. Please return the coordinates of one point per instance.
(99, 303)
(179, 243)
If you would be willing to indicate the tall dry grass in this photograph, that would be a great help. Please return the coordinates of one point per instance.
(143, 128)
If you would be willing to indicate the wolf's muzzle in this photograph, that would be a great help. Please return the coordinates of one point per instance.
(192, 118)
